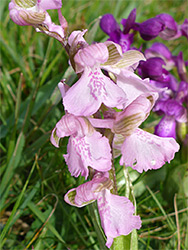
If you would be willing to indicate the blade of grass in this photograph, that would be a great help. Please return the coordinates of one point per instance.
(169, 219)
(42, 218)
(86, 229)
(13, 163)
(73, 225)
(7, 226)
(50, 67)
(17, 108)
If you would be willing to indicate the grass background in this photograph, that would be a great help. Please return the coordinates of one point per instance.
(34, 176)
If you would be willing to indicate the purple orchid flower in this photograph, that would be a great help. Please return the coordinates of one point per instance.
(150, 28)
(171, 29)
(153, 68)
(160, 50)
(109, 206)
(184, 28)
(173, 112)
(171, 99)
(109, 25)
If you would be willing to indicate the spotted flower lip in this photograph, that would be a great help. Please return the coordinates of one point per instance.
(86, 146)
(109, 206)
(141, 143)
(90, 91)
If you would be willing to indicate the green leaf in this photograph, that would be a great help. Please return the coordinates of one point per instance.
(128, 242)
(13, 163)
(42, 218)
(7, 226)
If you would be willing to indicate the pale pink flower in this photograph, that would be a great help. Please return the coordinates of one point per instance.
(34, 13)
(116, 212)
(93, 88)
(140, 150)
(86, 146)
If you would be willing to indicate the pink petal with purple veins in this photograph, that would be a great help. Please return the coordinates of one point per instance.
(144, 151)
(93, 151)
(90, 91)
(87, 192)
(71, 125)
(132, 116)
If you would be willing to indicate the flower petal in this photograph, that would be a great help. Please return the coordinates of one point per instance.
(87, 192)
(144, 151)
(93, 151)
(90, 91)
(108, 24)
(50, 4)
(132, 116)
(166, 127)
(116, 213)
(133, 85)
(90, 56)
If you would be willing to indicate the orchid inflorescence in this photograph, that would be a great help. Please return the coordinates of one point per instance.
(108, 103)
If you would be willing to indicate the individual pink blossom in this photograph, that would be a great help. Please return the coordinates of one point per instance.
(34, 13)
(93, 88)
(86, 146)
(116, 212)
(139, 149)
